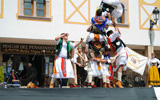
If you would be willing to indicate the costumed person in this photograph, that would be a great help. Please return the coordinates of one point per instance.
(98, 69)
(95, 43)
(114, 7)
(62, 65)
(107, 65)
(116, 44)
(96, 40)
(99, 24)
(153, 72)
(80, 59)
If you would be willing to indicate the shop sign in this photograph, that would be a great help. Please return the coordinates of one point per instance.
(25, 48)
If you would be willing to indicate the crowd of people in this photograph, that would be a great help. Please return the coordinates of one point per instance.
(95, 66)
(96, 61)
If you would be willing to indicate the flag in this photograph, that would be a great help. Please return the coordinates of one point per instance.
(136, 62)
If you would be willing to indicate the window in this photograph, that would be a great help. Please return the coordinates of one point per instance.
(28, 7)
(40, 8)
(1, 8)
(34, 10)
(123, 20)
(120, 20)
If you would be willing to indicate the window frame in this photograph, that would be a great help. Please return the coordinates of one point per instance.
(47, 11)
(125, 15)
(44, 9)
(28, 8)
(122, 17)
(1, 8)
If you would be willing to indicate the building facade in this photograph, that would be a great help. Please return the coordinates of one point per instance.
(28, 28)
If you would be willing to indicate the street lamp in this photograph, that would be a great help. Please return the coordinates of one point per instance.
(151, 33)
(155, 17)
(152, 23)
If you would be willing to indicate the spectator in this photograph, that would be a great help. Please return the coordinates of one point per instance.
(153, 63)
(139, 81)
(124, 80)
(14, 79)
(80, 60)
(32, 74)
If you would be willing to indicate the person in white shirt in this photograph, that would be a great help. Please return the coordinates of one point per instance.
(154, 64)
(118, 46)
(80, 59)
(95, 44)
(104, 68)
(62, 64)
(97, 31)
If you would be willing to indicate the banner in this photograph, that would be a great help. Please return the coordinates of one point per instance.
(136, 62)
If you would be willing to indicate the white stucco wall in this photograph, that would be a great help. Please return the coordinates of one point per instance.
(11, 27)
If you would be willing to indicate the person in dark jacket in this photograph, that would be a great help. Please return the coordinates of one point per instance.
(32, 74)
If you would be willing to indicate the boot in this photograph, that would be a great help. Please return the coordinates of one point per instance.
(94, 86)
(91, 85)
(109, 85)
(72, 85)
(114, 85)
(51, 85)
(105, 85)
(119, 84)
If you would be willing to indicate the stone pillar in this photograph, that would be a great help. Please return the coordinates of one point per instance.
(34, 8)
(21, 7)
(47, 10)
(148, 51)
(125, 11)
(125, 16)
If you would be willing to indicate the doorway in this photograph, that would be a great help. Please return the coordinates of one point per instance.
(38, 62)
